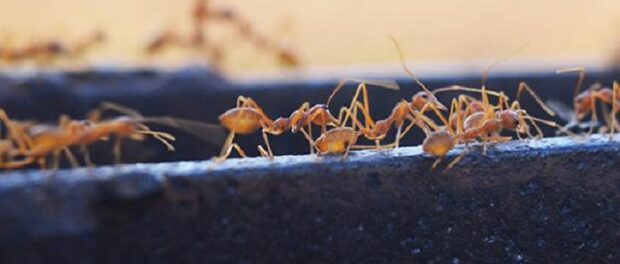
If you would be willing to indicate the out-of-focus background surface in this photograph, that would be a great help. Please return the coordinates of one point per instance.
(338, 34)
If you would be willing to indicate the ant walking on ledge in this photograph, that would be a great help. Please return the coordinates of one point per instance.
(585, 103)
(27, 142)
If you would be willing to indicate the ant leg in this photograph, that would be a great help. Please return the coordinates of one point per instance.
(499, 139)
(489, 112)
(309, 135)
(346, 152)
(116, 150)
(582, 76)
(538, 130)
(18, 164)
(266, 139)
(263, 152)
(455, 161)
(397, 139)
(42, 163)
(344, 112)
(56, 160)
(309, 138)
(430, 123)
(437, 161)
(229, 151)
(439, 115)
(86, 154)
(410, 126)
(161, 136)
(551, 124)
(485, 145)
(227, 143)
(454, 88)
(105, 106)
(366, 108)
(72, 160)
(21, 139)
(614, 110)
(238, 149)
(524, 86)
(594, 118)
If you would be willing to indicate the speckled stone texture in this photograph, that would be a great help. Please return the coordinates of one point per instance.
(555, 200)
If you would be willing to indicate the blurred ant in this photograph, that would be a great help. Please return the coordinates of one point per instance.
(162, 41)
(203, 15)
(36, 142)
(131, 126)
(585, 102)
(45, 52)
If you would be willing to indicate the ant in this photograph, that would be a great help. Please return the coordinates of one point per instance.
(484, 125)
(47, 51)
(442, 139)
(318, 115)
(404, 110)
(162, 41)
(36, 142)
(130, 125)
(203, 15)
(487, 124)
(340, 139)
(585, 102)
(246, 118)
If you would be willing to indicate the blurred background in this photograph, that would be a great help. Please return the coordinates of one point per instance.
(329, 37)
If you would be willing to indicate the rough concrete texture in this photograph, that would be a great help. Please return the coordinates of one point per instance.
(555, 200)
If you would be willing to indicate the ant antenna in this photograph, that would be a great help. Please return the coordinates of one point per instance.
(341, 84)
(392, 85)
(401, 56)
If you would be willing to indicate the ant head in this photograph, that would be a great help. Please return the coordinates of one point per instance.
(510, 119)
(378, 132)
(583, 103)
(125, 125)
(438, 143)
(420, 99)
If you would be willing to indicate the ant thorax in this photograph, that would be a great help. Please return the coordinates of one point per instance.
(419, 100)
(583, 103)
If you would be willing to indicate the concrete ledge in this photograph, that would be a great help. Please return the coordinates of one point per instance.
(553, 200)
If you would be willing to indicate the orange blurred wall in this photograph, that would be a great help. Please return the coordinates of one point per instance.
(342, 32)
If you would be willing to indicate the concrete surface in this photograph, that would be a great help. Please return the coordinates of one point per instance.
(556, 201)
